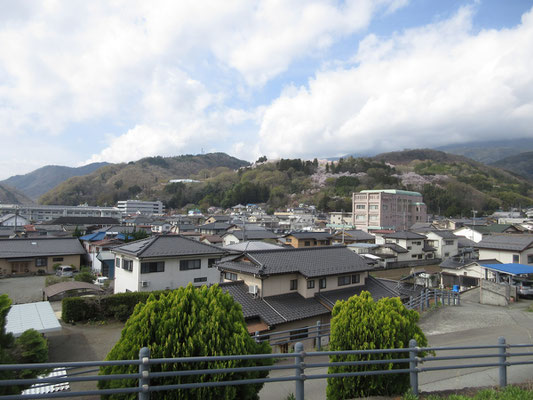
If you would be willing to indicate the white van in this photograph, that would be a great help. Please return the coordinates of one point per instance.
(65, 270)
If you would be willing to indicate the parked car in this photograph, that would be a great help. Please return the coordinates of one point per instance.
(523, 288)
(101, 280)
(65, 270)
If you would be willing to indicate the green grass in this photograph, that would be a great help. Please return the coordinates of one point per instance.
(508, 393)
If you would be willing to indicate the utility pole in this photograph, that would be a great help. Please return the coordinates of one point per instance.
(474, 212)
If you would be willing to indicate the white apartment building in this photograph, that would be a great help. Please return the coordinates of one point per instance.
(387, 209)
(41, 213)
(141, 207)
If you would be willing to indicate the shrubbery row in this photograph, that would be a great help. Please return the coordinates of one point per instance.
(119, 306)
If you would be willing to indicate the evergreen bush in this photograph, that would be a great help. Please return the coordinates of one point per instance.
(188, 322)
(74, 309)
(362, 324)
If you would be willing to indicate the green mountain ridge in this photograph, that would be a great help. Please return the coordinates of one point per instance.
(11, 195)
(451, 184)
(521, 164)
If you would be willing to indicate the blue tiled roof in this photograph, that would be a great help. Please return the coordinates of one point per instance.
(514, 269)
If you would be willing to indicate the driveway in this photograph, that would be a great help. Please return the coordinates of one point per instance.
(23, 289)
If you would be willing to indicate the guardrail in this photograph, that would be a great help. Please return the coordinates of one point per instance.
(435, 297)
(410, 364)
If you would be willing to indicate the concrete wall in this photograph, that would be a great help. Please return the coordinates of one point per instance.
(496, 294)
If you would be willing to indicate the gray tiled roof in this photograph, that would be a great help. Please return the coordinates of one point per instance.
(167, 246)
(376, 287)
(406, 235)
(35, 247)
(85, 221)
(310, 235)
(218, 226)
(294, 307)
(394, 247)
(358, 235)
(253, 235)
(310, 262)
(251, 307)
(512, 242)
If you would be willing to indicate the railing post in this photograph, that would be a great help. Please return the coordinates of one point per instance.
(422, 301)
(298, 369)
(411, 302)
(413, 366)
(502, 351)
(144, 370)
(256, 337)
(458, 298)
(428, 298)
(449, 298)
(318, 336)
(435, 297)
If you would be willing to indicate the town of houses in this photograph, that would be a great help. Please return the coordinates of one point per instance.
(287, 269)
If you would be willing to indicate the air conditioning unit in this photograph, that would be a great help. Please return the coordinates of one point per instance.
(253, 289)
(145, 283)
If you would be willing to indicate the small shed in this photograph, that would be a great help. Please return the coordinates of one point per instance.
(39, 316)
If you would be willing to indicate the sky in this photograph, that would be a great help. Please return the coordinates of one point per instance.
(115, 81)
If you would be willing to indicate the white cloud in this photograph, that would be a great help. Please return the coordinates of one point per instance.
(428, 86)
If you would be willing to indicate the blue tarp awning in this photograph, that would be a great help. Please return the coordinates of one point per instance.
(512, 269)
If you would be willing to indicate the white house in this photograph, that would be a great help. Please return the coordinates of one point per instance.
(444, 242)
(508, 248)
(165, 262)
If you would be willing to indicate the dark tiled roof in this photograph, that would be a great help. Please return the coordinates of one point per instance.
(428, 248)
(464, 242)
(310, 235)
(376, 287)
(405, 235)
(310, 262)
(217, 226)
(453, 263)
(251, 307)
(85, 221)
(294, 307)
(506, 242)
(167, 246)
(358, 235)
(35, 247)
(394, 247)
(253, 234)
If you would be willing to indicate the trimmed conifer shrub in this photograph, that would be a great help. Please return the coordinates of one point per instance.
(188, 322)
(360, 323)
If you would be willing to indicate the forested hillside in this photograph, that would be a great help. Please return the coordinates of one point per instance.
(451, 185)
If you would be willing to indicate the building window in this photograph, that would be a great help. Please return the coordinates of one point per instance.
(322, 283)
(448, 242)
(356, 278)
(373, 217)
(186, 265)
(41, 262)
(446, 254)
(294, 284)
(373, 207)
(288, 240)
(117, 262)
(127, 264)
(530, 259)
(230, 276)
(56, 259)
(307, 243)
(359, 217)
(202, 279)
(211, 262)
(360, 207)
(299, 334)
(344, 280)
(311, 284)
(149, 267)
(516, 258)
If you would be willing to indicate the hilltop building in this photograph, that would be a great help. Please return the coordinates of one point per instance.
(389, 209)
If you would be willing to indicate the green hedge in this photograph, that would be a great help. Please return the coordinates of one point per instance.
(118, 306)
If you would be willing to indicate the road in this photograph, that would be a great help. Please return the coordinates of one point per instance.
(467, 325)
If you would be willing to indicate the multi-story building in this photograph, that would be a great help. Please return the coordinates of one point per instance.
(40, 213)
(141, 207)
(387, 209)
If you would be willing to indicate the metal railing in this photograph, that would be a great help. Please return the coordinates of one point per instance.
(435, 297)
(414, 363)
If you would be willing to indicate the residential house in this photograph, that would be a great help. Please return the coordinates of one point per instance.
(445, 243)
(507, 248)
(237, 236)
(353, 236)
(337, 218)
(164, 262)
(211, 239)
(308, 239)
(13, 220)
(219, 218)
(408, 248)
(31, 255)
(478, 232)
(463, 272)
(214, 228)
(284, 289)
